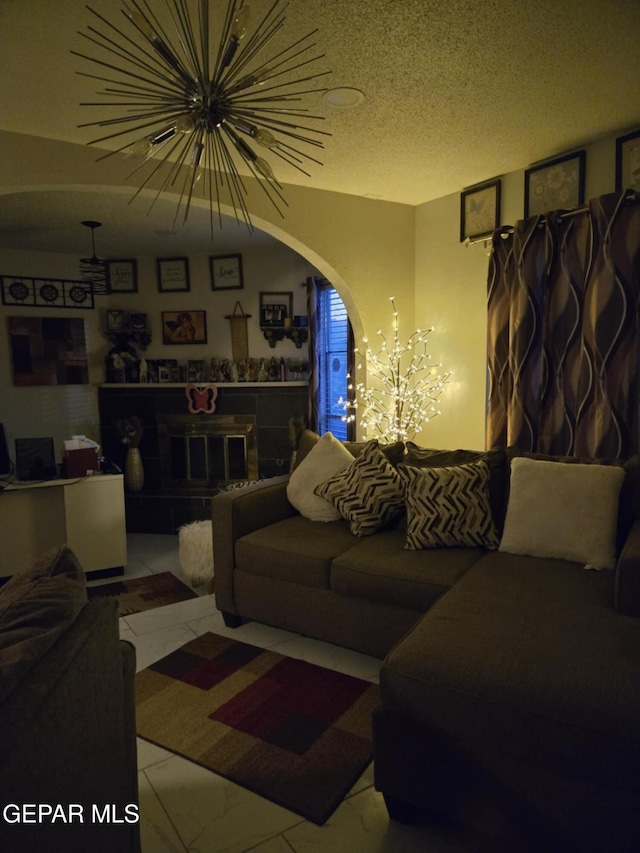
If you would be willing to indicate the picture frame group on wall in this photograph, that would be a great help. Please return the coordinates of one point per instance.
(555, 184)
(628, 161)
(184, 327)
(226, 272)
(173, 275)
(122, 276)
(480, 210)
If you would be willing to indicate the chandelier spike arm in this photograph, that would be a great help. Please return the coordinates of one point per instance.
(106, 43)
(136, 45)
(162, 48)
(237, 189)
(131, 86)
(185, 38)
(258, 41)
(265, 72)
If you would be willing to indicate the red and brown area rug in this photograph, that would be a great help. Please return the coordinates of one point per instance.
(138, 594)
(293, 732)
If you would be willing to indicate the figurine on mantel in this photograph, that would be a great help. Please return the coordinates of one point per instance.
(143, 371)
(263, 370)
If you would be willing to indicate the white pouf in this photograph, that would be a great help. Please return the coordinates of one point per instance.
(195, 549)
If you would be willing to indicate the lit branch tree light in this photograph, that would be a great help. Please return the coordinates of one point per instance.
(404, 387)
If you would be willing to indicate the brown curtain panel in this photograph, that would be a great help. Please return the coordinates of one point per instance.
(563, 325)
(314, 365)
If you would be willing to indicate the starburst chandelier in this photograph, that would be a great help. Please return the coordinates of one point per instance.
(198, 112)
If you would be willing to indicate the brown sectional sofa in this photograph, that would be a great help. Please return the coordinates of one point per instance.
(510, 690)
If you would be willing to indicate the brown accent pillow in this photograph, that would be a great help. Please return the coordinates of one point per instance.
(394, 452)
(307, 440)
(423, 457)
(36, 608)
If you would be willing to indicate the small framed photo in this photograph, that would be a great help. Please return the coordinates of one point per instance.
(628, 162)
(555, 184)
(163, 373)
(480, 210)
(173, 275)
(195, 370)
(117, 321)
(138, 322)
(122, 276)
(275, 306)
(184, 327)
(226, 272)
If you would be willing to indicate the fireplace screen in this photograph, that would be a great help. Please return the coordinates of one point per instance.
(200, 452)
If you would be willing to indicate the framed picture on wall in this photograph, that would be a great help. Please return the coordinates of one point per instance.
(173, 275)
(226, 272)
(628, 161)
(122, 276)
(554, 185)
(479, 210)
(184, 327)
(275, 306)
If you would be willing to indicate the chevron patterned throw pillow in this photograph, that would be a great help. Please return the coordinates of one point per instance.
(448, 507)
(368, 493)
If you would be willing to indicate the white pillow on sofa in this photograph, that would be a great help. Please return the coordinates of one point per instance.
(325, 459)
(563, 511)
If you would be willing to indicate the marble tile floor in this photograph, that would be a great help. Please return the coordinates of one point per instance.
(184, 807)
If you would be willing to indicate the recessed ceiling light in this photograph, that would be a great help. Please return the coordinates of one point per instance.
(343, 96)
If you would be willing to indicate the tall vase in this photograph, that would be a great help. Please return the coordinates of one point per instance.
(133, 470)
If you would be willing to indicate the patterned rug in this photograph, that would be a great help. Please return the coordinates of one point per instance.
(293, 732)
(138, 594)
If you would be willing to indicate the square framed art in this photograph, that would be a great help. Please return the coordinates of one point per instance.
(556, 184)
(173, 275)
(226, 272)
(122, 276)
(184, 327)
(628, 162)
(480, 210)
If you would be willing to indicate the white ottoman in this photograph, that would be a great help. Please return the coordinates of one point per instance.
(195, 550)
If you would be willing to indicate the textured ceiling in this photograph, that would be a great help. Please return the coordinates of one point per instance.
(457, 91)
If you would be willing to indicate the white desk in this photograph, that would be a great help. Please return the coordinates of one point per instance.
(86, 514)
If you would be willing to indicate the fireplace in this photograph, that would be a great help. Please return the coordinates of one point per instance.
(199, 452)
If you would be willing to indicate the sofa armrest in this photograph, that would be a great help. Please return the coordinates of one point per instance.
(236, 513)
(627, 584)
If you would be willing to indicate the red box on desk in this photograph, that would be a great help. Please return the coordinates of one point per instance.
(76, 463)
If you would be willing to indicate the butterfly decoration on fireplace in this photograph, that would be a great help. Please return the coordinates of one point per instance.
(202, 398)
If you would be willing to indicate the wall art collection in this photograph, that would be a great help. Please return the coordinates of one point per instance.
(556, 184)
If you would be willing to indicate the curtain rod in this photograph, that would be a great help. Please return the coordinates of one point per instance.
(630, 196)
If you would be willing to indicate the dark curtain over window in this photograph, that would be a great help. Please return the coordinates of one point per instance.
(563, 329)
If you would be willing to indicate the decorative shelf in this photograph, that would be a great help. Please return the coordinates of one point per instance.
(273, 334)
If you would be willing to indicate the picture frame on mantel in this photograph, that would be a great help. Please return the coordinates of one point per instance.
(555, 185)
(226, 272)
(628, 162)
(480, 210)
(122, 276)
(173, 275)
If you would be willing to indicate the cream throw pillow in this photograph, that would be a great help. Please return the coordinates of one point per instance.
(325, 459)
(563, 511)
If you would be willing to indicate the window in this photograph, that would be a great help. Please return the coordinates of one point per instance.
(334, 349)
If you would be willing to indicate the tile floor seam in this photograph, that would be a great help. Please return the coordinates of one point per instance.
(168, 816)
